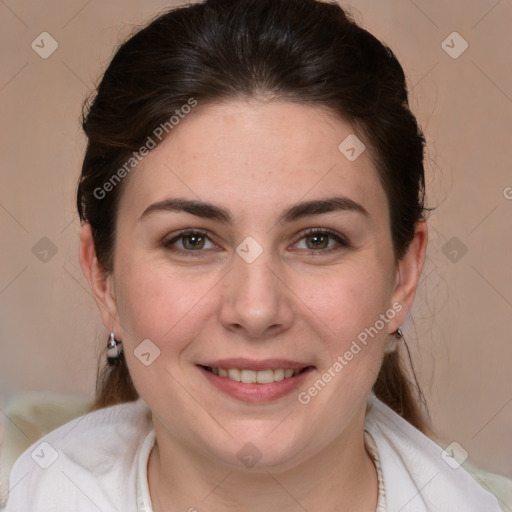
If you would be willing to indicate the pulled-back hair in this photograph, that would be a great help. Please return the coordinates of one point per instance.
(304, 51)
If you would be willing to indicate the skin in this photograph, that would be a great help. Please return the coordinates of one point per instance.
(255, 159)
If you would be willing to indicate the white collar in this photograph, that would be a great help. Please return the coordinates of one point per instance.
(417, 477)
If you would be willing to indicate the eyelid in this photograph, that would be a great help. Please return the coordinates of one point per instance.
(182, 232)
(326, 231)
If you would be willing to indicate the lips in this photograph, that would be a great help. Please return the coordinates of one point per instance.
(256, 381)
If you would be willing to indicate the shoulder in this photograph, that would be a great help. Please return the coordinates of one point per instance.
(85, 463)
(420, 475)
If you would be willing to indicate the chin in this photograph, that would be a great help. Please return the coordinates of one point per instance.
(256, 450)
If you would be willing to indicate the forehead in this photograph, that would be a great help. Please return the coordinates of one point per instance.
(255, 154)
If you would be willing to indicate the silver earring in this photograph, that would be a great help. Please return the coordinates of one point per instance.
(392, 345)
(114, 350)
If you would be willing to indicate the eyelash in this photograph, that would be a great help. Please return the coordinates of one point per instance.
(339, 239)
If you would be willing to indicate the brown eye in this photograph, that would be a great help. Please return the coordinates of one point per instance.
(189, 242)
(193, 242)
(317, 241)
(321, 241)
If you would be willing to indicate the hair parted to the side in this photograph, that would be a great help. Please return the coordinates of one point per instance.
(305, 51)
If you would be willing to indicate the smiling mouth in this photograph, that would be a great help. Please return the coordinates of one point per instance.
(267, 376)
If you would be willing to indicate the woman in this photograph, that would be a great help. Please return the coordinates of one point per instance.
(252, 199)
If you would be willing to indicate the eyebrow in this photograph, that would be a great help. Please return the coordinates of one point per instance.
(210, 211)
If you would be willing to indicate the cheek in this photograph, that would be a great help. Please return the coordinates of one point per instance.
(166, 308)
(154, 302)
(348, 299)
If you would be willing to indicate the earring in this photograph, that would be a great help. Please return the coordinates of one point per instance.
(114, 351)
(392, 346)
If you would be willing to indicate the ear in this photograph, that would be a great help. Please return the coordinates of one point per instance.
(408, 274)
(101, 283)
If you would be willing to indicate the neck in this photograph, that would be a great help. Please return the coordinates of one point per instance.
(340, 478)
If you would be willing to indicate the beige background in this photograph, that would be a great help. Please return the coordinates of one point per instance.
(461, 335)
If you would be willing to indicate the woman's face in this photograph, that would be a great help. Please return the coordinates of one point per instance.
(249, 287)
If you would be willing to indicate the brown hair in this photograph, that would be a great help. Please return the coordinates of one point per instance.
(297, 50)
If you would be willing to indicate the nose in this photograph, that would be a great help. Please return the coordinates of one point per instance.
(256, 302)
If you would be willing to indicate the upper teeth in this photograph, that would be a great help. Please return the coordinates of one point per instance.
(251, 376)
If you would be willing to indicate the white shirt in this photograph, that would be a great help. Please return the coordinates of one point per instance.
(99, 462)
